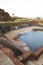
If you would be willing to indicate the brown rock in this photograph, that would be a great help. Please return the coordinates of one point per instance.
(4, 16)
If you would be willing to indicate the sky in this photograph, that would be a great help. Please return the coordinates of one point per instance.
(23, 8)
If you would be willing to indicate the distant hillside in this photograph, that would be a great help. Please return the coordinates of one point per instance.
(4, 16)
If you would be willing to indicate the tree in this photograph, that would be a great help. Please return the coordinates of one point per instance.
(38, 17)
(13, 14)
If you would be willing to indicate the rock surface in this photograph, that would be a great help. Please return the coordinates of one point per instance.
(4, 59)
(4, 16)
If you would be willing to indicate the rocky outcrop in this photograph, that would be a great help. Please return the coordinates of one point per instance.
(4, 16)
(11, 55)
(23, 57)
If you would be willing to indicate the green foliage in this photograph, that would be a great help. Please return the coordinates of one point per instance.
(18, 19)
(38, 17)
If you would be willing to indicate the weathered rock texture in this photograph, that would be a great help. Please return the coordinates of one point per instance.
(4, 16)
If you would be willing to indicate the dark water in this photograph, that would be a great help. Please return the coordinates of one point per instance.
(33, 39)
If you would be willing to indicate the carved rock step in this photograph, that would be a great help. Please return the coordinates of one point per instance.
(4, 59)
(40, 59)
